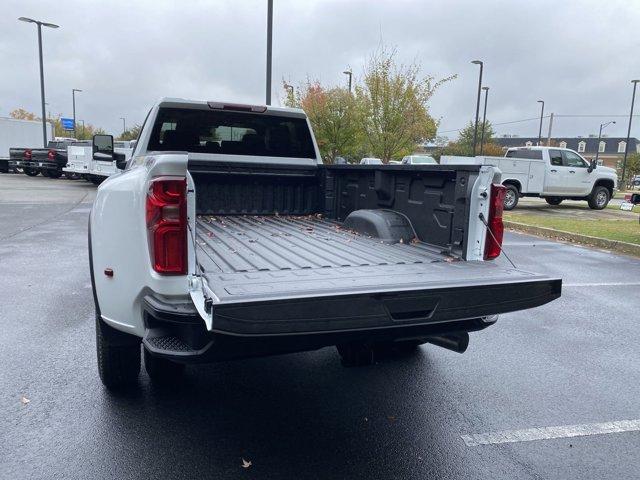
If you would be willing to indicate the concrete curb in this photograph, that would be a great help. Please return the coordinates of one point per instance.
(615, 245)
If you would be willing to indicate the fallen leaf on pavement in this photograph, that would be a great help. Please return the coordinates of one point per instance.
(24, 400)
(246, 463)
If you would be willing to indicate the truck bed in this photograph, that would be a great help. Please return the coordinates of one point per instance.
(261, 263)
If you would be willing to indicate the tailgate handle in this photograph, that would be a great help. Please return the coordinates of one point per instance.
(414, 315)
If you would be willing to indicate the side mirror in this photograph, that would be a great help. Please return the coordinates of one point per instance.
(121, 160)
(635, 198)
(592, 166)
(102, 147)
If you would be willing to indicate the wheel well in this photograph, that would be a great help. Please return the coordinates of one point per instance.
(605, 183)
(515, 183)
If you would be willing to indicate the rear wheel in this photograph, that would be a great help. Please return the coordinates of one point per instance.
(511, 197)
(118, 356)
(55, 173)
(44, 172)
(162, 371)
(599, 198)
(32, 172)
(553, 200)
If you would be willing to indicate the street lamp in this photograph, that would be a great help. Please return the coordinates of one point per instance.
(73, 95)
(484, 118)
(475, 130)
(626, 145)
(602, 125)
(541, 116)
(124, 125)
(40, 25)
(350, 74)
(269, 45)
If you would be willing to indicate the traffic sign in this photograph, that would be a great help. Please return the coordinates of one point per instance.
(67, 123)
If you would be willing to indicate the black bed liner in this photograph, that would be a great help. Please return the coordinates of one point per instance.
(273, 273)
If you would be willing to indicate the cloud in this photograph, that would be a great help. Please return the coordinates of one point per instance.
(577, 56)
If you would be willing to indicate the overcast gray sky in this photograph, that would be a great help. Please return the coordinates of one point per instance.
(578, 56)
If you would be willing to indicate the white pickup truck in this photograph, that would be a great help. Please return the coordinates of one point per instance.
(555, 174)
(80, 160)
(226, 237)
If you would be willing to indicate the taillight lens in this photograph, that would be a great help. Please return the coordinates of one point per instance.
(51, 155)
(27, 154)
(495, 231)
(166, 215)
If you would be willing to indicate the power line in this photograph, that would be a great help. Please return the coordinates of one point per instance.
(546, 116)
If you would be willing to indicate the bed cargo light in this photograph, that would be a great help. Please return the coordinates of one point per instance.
(238, 107)
(166, 216)
(495, 227)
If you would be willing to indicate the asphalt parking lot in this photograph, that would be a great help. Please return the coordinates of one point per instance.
(575, 361)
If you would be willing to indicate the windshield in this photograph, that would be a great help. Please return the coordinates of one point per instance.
(231, 133)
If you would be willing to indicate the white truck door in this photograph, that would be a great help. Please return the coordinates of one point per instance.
(536, 176)
(553, 175)
(575, 171)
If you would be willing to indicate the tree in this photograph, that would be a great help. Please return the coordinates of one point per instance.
(130, 134)
(333, 114)
(465, 137)
(392, 101)
(22, 114)
(632, 168)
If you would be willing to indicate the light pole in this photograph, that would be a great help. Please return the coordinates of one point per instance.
(73, 95)
(124, 125)
(626, 145)
(40, 25)
(484, 118)
(269, 44)
(350, 74)
(475, 129)
(541, 117)
(602, 125)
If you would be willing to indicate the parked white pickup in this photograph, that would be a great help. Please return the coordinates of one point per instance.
(555, 174)
(80, 160)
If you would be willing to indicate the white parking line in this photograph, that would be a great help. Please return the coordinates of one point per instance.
(547, 433)
(603, 284)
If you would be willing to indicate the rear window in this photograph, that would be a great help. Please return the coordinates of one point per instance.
(524, 153)
(231, 133)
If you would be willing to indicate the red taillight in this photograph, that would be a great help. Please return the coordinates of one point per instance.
(166, 214)
(495, 230)
(27, 154)
(51, 155)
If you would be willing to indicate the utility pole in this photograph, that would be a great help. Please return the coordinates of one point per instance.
(73, 95)
(475, 130)
(550, 127)
(350, 74)
(484, 118)
(602, 125)
(626, 145)
(541, 117)
(269, 45)
(44, 113)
